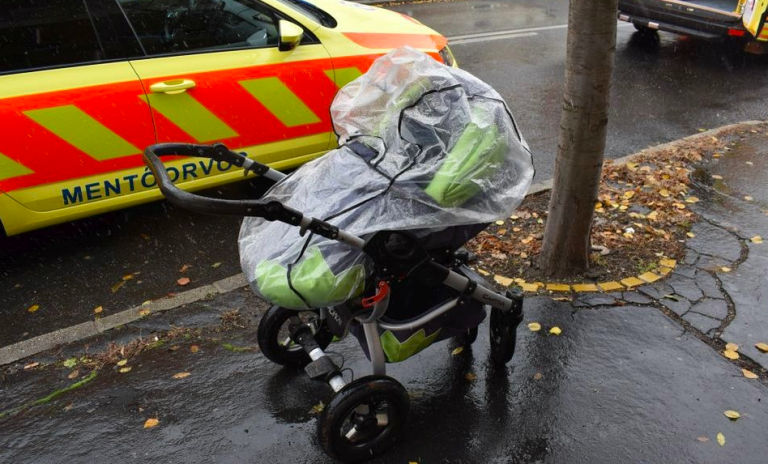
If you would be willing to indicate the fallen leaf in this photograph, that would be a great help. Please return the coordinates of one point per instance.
(501, 231)
(183, 281)
(184, 268)
(505, 281)
(514, 218)
(721, 438)
(118, 286)
(750, 163)
(483, 272)
(534, 326)
(457, 351)
(122, 362)
(731, 354)
(128, 277)
(144, 312)
(499, 223)
(748, 198)
(555, 330)
(33, 308)
(690, 235)
(125, 370)
(98, 310)
(731, 347)
(731, 414)
(629, 194)
(68, 407)
(70, 363)
(538, 376)
(692, 200)
(749, 374)
(151, 423)
(664, 193)
(181, 375)
(215, 265)
(725, 269)
(74, 374)
(701, 129)
(762, 347)
(194, 348)
(703, 439)
(31, 365)
(716, 177)
(471, 376)
(757, 239)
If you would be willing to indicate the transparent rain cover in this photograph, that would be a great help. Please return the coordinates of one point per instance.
(422, 147)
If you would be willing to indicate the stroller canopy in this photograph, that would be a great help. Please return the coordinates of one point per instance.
(423, 147)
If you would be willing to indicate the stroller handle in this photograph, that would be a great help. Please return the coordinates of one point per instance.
(269, 210)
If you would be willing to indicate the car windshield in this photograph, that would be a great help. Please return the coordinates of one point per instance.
(308, 9)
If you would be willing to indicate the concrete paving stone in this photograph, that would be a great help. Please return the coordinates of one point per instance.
(710, 263)
(708, 284)
(690, 257)
(685, 271)
(714, 241)
(701, 322)
(716, 309)
(657, 290)
(593, 299)
(636, 298)
(679, 306)
(686, 288)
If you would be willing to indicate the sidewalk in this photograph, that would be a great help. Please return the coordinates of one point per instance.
(636, 376)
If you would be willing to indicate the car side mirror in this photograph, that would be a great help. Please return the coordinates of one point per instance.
(290, 35)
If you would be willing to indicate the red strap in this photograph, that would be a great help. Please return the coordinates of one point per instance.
(382, 291)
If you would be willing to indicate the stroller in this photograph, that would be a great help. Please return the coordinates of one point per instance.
(428, 156)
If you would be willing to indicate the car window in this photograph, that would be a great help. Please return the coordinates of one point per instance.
(47, 33)
(179, 26)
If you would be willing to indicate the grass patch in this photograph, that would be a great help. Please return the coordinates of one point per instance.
(236, 349)
(52, 396)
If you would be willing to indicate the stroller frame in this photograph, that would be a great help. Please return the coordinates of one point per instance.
(396, 255)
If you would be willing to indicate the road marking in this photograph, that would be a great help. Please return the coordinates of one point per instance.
(493, 37)
(510, 32)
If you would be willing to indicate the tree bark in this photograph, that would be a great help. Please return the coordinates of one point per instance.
(583, 126)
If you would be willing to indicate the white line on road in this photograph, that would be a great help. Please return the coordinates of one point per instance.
(511, 33)
(494, 37)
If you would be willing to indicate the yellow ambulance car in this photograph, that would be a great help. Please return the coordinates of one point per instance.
(85, 85)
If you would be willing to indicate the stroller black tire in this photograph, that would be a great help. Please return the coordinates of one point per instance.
(340, 417)
(503, 337)
(268, 338)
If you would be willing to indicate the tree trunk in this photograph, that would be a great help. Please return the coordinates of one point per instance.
(583, 125)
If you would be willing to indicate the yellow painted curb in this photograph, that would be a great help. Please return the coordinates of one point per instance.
(558, 288)
(666, 266)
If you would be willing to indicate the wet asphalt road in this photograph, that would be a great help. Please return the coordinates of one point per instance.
(664, 89)
(620, 385)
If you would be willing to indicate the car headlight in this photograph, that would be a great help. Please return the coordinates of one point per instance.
(447, 56)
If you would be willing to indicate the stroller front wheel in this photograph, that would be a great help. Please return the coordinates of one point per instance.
(274, 339)
(364, 418)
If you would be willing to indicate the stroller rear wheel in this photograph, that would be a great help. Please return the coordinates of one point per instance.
(504, 329)
(275, 341)
(364, 418)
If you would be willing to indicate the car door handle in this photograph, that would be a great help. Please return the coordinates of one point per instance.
(173, 86)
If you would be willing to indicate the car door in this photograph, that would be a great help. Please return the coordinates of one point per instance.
(70, 110)
(214, 73)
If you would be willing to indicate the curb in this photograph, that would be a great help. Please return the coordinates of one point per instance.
(36, 345)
